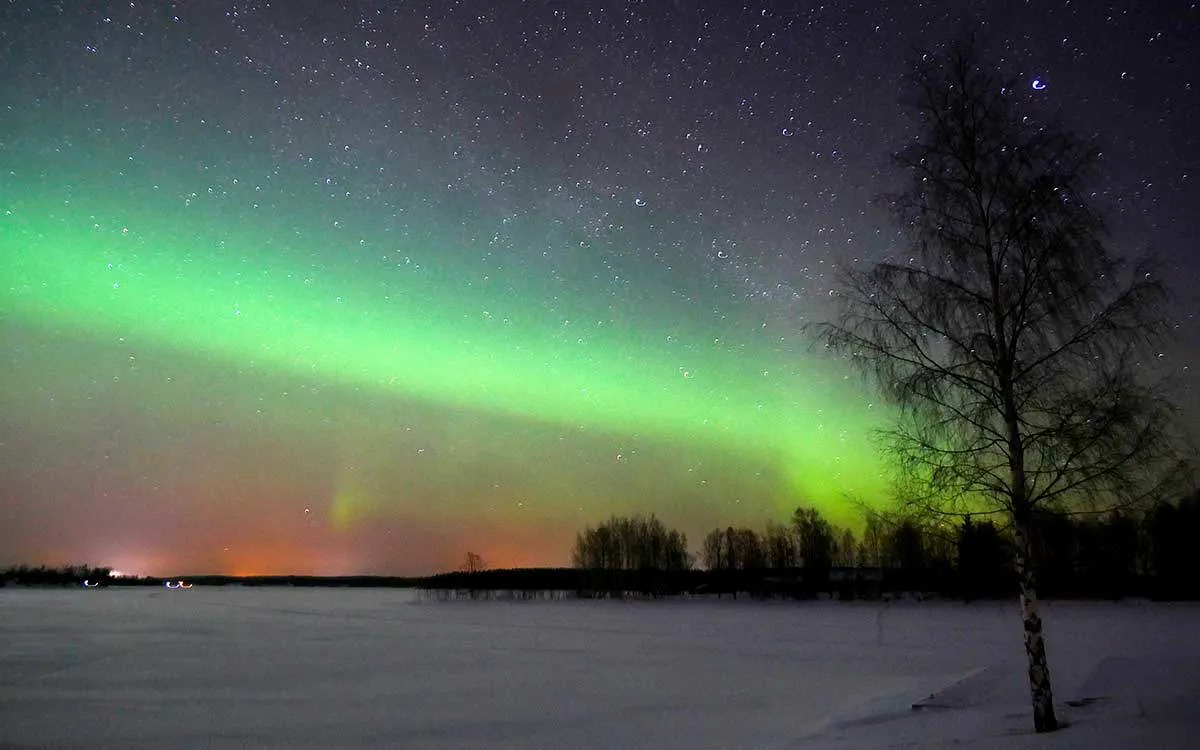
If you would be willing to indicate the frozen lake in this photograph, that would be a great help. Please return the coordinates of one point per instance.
(348, 668)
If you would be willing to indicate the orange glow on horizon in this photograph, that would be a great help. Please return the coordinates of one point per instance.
(249, 546)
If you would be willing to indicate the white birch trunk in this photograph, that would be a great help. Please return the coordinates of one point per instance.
(1044, 719)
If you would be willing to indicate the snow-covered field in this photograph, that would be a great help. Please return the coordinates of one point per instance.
(312, 668)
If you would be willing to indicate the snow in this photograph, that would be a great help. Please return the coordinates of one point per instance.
(318, 668)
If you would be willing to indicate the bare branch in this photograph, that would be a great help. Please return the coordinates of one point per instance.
(1007, 342)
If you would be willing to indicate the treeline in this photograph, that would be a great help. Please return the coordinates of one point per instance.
(65, 575)
(300, 581)
(78, 575)
(1155, 553)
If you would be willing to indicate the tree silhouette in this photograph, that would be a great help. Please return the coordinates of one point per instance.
(846, 549)
(473, 563)
(814, 542)
(870, 548)
(749, 552)
(780, 547)
(714, 552)
(1107, 559)
(905, 549)
(982, 560)
(1173, 557)
(631, 543)
(1008, 337)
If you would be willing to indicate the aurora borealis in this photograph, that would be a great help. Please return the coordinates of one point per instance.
(330, 288)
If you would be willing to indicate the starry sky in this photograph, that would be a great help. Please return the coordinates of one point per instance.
(340, 287)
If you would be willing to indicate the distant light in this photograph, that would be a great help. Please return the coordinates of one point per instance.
(1038, 84)
(87, 584)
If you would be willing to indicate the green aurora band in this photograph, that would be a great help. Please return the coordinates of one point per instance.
(443, 337)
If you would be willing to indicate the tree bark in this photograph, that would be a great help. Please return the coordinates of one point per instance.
(1044, 719)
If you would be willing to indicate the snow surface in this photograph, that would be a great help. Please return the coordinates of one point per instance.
(320, 668)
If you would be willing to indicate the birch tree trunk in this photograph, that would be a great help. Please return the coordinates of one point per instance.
(1044, 719)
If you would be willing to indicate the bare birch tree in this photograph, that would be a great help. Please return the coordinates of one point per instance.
(474, 563)
(1010, 339)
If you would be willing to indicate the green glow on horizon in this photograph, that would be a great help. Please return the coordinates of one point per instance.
(442, 342)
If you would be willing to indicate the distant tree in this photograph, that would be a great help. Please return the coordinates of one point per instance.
(905, 548)
(674, 554)
(473, 564)
(983, 560)
(870, 549)
(748, 550)
(1008, 337)
(1173, 538)
(1108, 554)
(737, 557)
(730, 555)
(845, 547)
(814, 543)
(714, 552)
(1054, 541)
(780, 547)
(1122, 541)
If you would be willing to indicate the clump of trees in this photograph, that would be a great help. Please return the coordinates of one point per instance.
(1122, 553)
(783, 556)
(628, 555)
(1150, 552)
(1171, 552)
(631, 543)
(810, 556)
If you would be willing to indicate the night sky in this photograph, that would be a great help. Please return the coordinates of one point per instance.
(340, 287)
